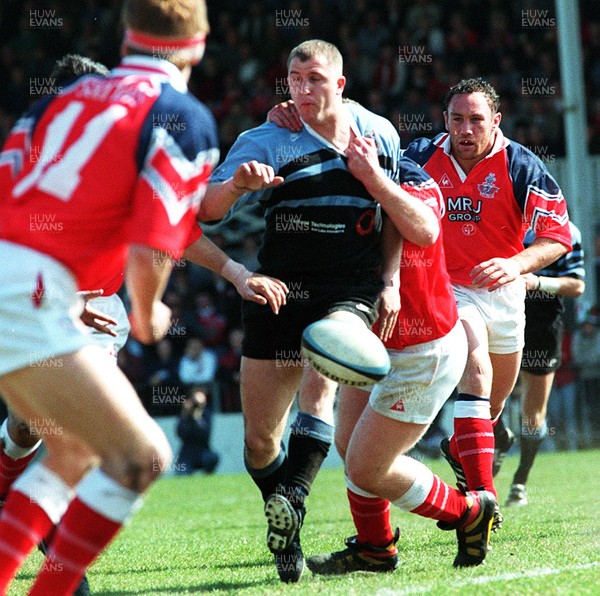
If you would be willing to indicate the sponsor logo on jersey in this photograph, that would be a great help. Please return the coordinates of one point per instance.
(488, 189)
(463, 209)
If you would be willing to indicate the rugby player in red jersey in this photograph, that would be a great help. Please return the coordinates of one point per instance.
(100, 161)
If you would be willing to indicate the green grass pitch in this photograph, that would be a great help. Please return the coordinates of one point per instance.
(206, 534)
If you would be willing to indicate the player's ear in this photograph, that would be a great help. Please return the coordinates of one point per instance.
(496, 119)
(446, 120)
(341, 84)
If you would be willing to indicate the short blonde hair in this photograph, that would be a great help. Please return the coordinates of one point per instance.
(317, 47)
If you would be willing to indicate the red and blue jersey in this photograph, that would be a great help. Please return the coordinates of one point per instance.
(111, 161)
(488, 210)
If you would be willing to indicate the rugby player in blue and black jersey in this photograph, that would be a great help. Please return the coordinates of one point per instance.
(544, 310)
(326, 239)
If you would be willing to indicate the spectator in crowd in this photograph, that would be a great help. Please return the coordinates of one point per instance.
(194, 429)
(211, 325)
(198, 365)
(162, 388)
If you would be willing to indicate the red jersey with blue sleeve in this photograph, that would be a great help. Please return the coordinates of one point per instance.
(111, 161)
(489, 209)
(427, 304)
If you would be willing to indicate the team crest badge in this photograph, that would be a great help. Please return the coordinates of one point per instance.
(488, 189)
(445, 181)
(398, 406)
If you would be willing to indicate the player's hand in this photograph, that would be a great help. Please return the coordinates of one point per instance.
(494, 273)
(389, 307)
(532, 281)
(95, 318)
(155, 327)
(265, 290)
(363, 161)
(255, 286)
(252, 176)
(285, 115)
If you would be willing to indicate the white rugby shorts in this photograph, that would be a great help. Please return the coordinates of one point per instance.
(112, 306)
(39, 310)
(422, 378)
(502, 311)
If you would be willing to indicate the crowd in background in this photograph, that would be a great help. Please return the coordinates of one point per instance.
(400, 58)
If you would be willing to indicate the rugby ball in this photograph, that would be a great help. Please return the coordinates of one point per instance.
(345, 352)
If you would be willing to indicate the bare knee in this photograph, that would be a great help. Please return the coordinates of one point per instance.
(361, 474)
(477, 377)
(140, 465)
(261, 448)
(69, 458)
(21, 432)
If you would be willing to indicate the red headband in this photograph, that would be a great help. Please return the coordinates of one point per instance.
(191, 47)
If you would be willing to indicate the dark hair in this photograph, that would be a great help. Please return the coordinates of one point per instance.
(474, 86)
(71, 66)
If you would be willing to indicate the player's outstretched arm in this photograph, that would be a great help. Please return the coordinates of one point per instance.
(415, 220)
(250, 286)
(146, 276)
(563, 286)
(248, 177)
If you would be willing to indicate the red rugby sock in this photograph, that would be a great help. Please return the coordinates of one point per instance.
(371, 517)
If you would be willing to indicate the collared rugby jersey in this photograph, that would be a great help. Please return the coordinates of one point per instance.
(111, 161)
(321, 221)
(427, 304)
(488, 210)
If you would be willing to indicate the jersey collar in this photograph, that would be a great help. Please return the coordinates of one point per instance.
(146, 65)
(500, 143)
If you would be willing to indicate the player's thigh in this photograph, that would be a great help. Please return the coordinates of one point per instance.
(351, 404)
(268, 388)
(88, 397)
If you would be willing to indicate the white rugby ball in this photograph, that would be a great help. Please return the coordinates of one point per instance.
(345, 352)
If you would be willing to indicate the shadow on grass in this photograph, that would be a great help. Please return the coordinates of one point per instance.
(164, 569)
(183, 589)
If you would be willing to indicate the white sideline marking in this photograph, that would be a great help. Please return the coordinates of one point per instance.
(485, 579)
